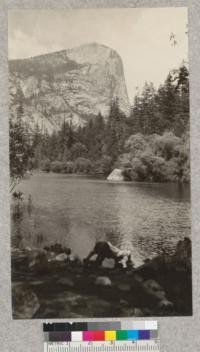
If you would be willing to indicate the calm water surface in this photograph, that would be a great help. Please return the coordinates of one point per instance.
(143, 217)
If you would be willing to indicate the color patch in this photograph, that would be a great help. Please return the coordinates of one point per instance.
(98, 335)
(77, 336)
(48, 326)
(79, 326)
(133, 334)
(59, 327)
(126, 325)
(153, 334)
(55, 336)
(114, 325)
(151, 325)
(110, 335)
(121, 335)
(138, 325)
(87, 336)
(144, 335)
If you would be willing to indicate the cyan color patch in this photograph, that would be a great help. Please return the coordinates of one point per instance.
(133, 335)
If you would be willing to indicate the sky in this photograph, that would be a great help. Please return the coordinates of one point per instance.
(140, 36)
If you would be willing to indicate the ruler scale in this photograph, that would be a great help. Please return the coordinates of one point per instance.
(107, 346)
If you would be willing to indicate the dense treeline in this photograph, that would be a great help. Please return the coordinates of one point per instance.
(152, 144)
(166, 109)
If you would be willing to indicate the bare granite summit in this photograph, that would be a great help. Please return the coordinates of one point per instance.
(71, 85)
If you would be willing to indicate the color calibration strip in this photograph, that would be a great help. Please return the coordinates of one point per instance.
(108, 335)
(101, 331)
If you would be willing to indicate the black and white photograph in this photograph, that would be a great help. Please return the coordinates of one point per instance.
(99, 147)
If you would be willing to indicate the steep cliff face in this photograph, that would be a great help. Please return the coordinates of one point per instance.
(71, 84)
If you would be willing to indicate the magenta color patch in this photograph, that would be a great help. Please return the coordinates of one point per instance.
(87, 336)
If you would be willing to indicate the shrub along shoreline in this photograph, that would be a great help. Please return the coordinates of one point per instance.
(154, 158)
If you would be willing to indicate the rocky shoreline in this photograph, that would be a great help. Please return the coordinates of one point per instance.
(52, 283)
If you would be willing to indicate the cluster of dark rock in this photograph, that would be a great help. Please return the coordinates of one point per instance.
(53, 283)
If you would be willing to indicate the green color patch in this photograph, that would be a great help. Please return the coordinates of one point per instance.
(121, 335)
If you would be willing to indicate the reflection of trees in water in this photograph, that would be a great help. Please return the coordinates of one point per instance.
(17, 211)
(25, 224)
(169, 191)
(137, 217)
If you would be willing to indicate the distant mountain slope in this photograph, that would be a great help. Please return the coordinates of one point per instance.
(70, 84)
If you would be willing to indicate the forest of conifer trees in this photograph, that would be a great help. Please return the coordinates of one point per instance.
(152, 144)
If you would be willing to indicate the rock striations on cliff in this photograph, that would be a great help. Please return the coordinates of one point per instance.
(70, 85)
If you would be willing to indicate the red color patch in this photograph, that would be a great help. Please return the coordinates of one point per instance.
(98, 336)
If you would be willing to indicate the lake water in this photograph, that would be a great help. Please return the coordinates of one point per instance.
(143, 217)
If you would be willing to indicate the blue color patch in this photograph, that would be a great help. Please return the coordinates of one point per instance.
(144, 335)
(132, 335)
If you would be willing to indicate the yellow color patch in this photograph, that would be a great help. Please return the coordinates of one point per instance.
(110, 335)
